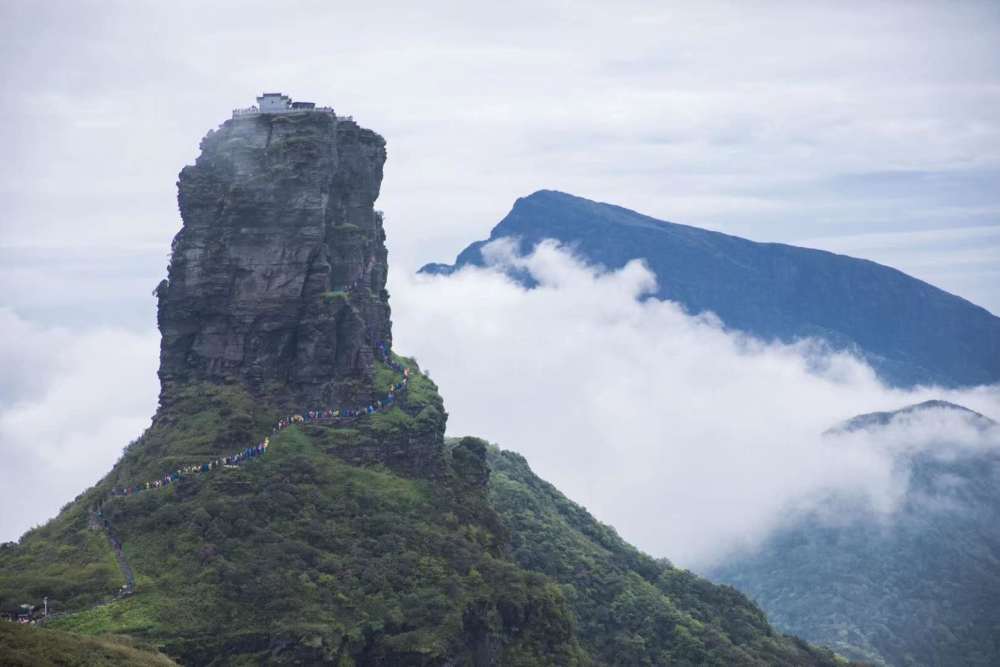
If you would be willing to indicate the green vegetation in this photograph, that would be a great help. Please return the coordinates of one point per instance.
(422, 390)
(385, 376)
(374, 543)
(340, 561)
(205, 422)
(630, 608)
(64, 560)
(921, 587)
(334, 296)
(133, 615)
(28, 646)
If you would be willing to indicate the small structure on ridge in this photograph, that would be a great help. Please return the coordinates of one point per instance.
(281, 103)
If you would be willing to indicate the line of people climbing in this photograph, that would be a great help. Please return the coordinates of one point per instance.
(308, 417)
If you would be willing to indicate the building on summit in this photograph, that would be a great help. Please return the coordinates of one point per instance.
(280, 103)
(274, 103)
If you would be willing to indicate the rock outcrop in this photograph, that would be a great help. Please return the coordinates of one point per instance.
(277, 277)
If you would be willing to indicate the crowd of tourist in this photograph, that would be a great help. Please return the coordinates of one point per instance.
(308, 417)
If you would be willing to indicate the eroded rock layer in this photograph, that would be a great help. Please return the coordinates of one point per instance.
(277, 277)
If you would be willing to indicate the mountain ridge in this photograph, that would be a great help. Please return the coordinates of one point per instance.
(910, 331)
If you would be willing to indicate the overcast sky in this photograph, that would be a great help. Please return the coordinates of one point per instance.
(864, 128)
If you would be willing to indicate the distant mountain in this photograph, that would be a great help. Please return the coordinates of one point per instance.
(875, 419)
(920, 587)
(910, 331)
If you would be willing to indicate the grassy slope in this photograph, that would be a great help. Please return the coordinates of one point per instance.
(630, 608)
(64, 559)
(303, 556)
(371, 543)
(309, 549)
(28, 646)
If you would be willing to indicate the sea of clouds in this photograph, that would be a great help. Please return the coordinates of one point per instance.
(691, 440)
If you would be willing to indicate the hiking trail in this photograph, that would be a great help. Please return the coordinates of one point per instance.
(98, 522)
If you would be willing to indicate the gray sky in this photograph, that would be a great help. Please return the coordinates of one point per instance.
(864, 128)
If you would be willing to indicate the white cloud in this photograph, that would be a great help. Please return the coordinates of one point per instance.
(688, 439)
(70, 401)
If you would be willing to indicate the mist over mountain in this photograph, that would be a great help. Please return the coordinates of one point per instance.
(875, 534)
(295, 500)
(909, 331)
(877, 419)
(913, 583)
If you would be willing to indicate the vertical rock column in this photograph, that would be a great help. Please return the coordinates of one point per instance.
(277, 277)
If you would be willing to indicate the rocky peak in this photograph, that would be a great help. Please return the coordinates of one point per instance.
(277, 276)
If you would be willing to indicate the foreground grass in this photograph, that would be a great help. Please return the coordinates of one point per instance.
(28, 646)
(135, 615)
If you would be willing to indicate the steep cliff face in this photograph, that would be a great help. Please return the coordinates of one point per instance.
(277, 277)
